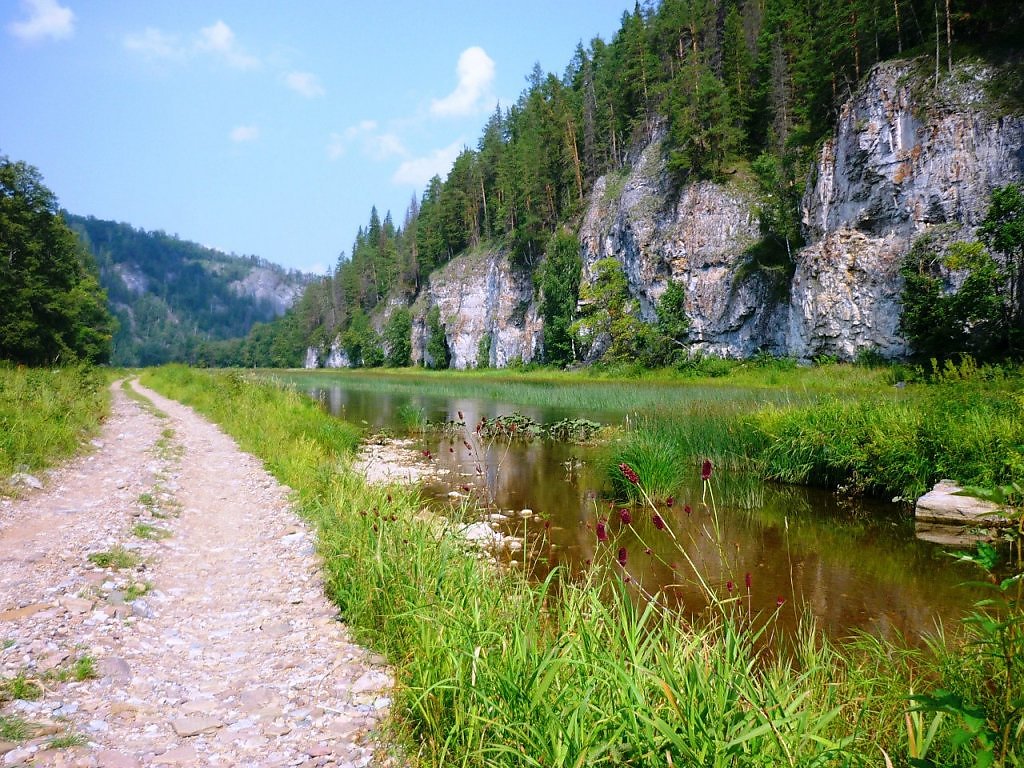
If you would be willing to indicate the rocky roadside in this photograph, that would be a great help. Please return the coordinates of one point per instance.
(162, 604)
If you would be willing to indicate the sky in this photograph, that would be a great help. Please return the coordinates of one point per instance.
(266, 128)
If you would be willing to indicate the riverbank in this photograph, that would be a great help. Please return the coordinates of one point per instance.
(491, 669)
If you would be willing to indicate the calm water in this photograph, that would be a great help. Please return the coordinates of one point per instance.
(856, 566)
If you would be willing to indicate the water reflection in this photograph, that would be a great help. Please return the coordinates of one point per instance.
(854, 566)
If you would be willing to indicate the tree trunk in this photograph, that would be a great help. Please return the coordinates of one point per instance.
(949, 39)
(899, 38)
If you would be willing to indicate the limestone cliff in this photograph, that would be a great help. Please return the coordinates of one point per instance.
(905, 158)
(479, 295)
(699, 238)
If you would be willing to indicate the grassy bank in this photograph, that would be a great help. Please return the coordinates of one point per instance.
(494, 669)
(829, 425)
(46, 414)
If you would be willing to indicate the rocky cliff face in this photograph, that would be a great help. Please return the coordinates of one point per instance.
(700, 239)
(278, 288)
(480, 295)
(904, 158)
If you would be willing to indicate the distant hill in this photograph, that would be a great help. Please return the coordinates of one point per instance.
(170, 295)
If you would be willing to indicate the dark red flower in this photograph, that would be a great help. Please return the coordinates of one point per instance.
(602, 531)
(625, 516)
(451, 450)
(779, 601)
(729, 586)
(705, 470)
(622, 556)
(746, 579)
(688, 509)
(670, 501)
(658, 522)
(629, 474)
(460, 416)
(426, 454)
(547, 525)
(647, 550)
(465, 489)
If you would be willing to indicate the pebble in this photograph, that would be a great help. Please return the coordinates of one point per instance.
(233, 658)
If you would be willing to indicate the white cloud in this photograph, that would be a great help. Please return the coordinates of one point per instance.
(46, 18)
(219, 40)
(244, 133)
(305, 84)
(153, 44)
(473, 92)
(418, 171)
(376, 144)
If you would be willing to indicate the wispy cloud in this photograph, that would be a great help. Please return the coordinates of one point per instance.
(473, 92)
(244, 133)
(375, 143)
(154, 44)
(416, 172)
(305, 84)
(46, 19)
(217, 40)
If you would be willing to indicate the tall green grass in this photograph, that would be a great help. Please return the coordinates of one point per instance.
(494, 669)
(45, 414)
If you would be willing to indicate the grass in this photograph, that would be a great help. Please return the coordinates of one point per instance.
(150, 532)
(493, 668)
(67, 741)
(47, 415)
(116, 558)
(137, 590)
(21, 687)
(14, 728)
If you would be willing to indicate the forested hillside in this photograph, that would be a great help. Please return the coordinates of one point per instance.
(742, 90)
(172, 298)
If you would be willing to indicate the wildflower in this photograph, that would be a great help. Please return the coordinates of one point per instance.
(629, 474)
(779, 601)
(602, 531)
(687, 509)
(746, 580)
(670, 501)
(625, 516)
(729, 586)
(705, 470)
(426, 454)
(547, 525)
(628, 580)
(647, 550)
(389, 498)
(450, 449)
(622, 556)
(659, 523)
(460, 416)
(465, 489)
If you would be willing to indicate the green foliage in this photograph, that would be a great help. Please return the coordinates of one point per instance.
(115, 558)
(14, 728)
(398, 338)
(560, 290)
(483, 351)
(362, 343)
(438, 354)
(53, 311)
(46, 415)
(983, 315)
(938, 322)
(608, 317)
(983, 679)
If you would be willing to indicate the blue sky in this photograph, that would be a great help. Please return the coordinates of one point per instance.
(265, 128)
